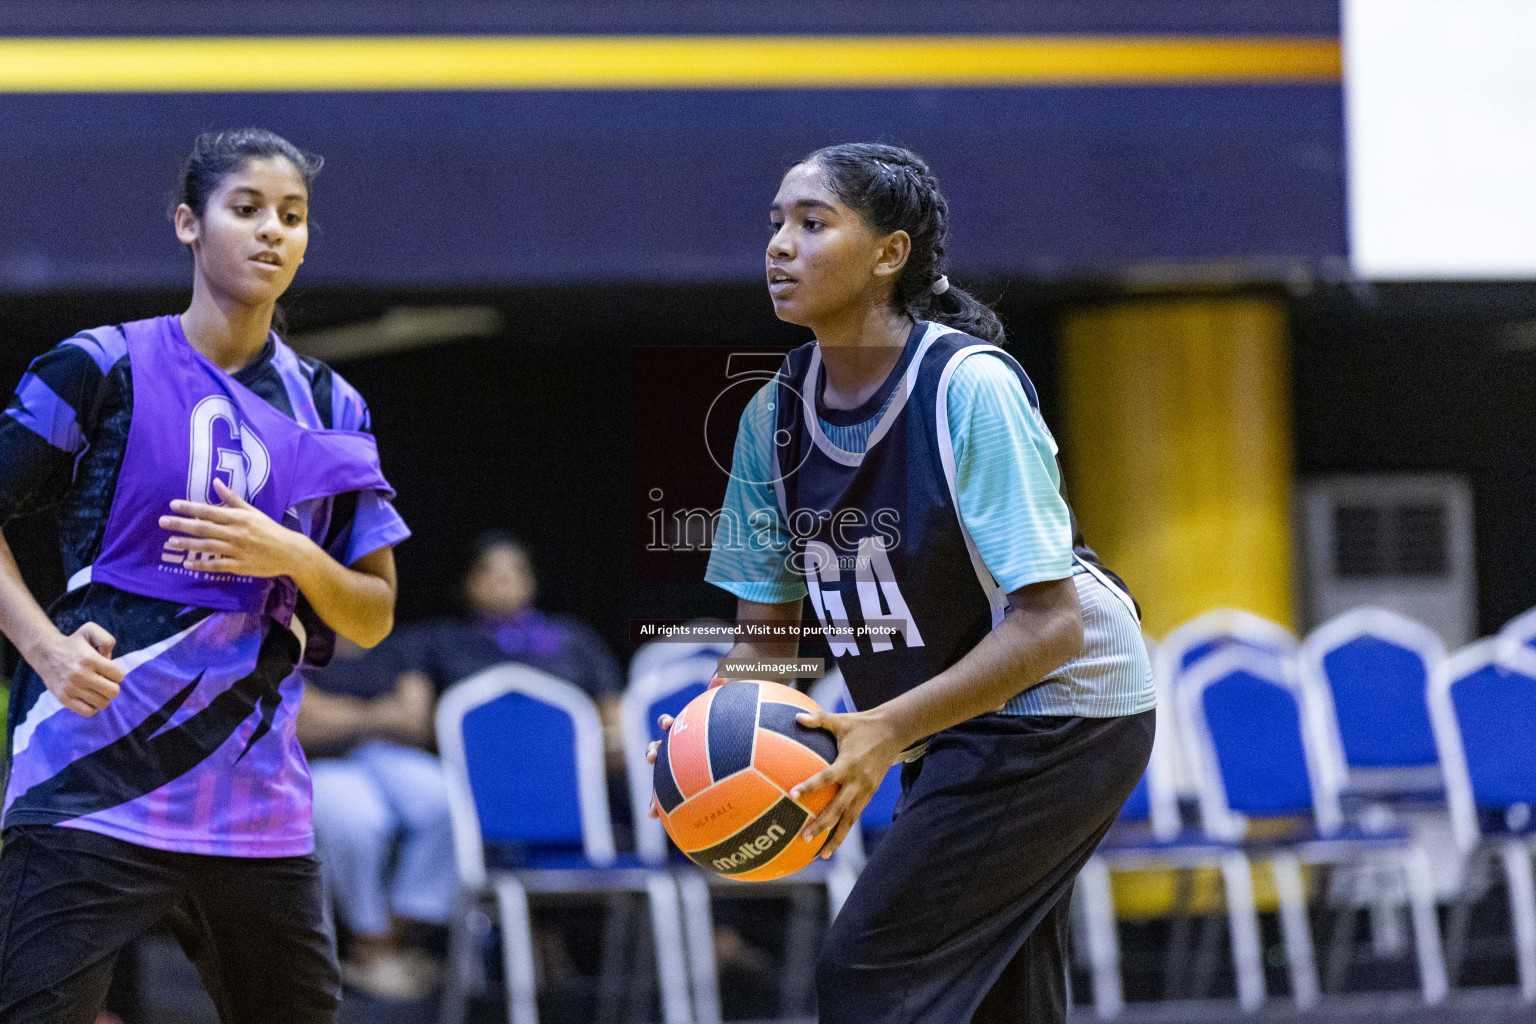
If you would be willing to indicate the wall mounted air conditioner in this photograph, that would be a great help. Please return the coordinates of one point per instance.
(1399, 541)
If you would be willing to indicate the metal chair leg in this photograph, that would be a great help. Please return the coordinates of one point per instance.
(1522, 911)
(616, 932)
(1459, 920)
(699, 931)
(1079, 956)
(1247, 955)
(667, 927)
(1202, 970)
(1300, 958)
(1176, 963)
(1341, 948)
(840, 878)
(1386, 927)
(517, 949)
(1098, 905)
(1420, 880)
(453, 1008)
(805, 927)
(642, 975)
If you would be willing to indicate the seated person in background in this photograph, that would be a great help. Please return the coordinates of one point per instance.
(382, 828)
(504, 625)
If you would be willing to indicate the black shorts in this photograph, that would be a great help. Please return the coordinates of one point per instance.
(70, 900)
(961, 913)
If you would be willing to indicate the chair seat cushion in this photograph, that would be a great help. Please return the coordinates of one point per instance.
(1506, 822)
(510, 857)
(1342, 843)
(1417, 784)
(1136, 841)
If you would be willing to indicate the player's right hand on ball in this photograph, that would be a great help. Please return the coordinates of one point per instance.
(78, 669)
(665, 723)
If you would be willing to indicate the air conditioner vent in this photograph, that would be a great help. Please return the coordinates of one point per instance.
(1423, 541)
(1390, 540)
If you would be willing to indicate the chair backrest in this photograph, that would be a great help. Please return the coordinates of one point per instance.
(654, 654)
(1254, 743)
(523, 756)
(1482, 705)
(665, 688)
(1215, 630)
(1155, 799)
(1199, 638)
(1368, 670)
(1520, 631)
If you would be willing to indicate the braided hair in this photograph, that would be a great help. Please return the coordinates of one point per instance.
(893, 189)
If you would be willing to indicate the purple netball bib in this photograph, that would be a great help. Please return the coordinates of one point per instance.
(194, 424)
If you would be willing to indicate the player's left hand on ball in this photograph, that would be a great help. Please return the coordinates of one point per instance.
(866, 749)
(235, 537)
(664, 722)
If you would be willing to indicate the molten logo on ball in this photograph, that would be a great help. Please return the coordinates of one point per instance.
(748, 851)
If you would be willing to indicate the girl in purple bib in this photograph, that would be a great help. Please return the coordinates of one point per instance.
(222, 516)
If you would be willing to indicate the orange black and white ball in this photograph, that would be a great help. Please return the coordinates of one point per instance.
(723, 775)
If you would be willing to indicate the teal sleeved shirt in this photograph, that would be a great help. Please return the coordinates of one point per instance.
(1009, 497)
(1007, 488)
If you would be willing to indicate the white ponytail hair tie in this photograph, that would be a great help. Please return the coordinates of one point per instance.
(940, 286)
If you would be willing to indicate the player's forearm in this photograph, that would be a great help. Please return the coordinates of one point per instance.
(22, 619)
(784, 614)
(1042, 631)
(357, 603)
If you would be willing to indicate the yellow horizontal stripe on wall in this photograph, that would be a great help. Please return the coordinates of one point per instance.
(417, 63)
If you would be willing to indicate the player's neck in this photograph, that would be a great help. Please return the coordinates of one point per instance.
(230, 334)
(859, 353)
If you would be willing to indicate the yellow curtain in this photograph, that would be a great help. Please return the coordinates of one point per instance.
(1178, 451)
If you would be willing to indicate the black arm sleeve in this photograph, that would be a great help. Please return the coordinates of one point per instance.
(44, 428)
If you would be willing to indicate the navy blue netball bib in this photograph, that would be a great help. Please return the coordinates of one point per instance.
(892, 573)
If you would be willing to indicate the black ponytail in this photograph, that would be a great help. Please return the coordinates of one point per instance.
(894, 189)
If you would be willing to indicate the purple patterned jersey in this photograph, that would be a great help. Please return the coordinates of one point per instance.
(198, 752)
